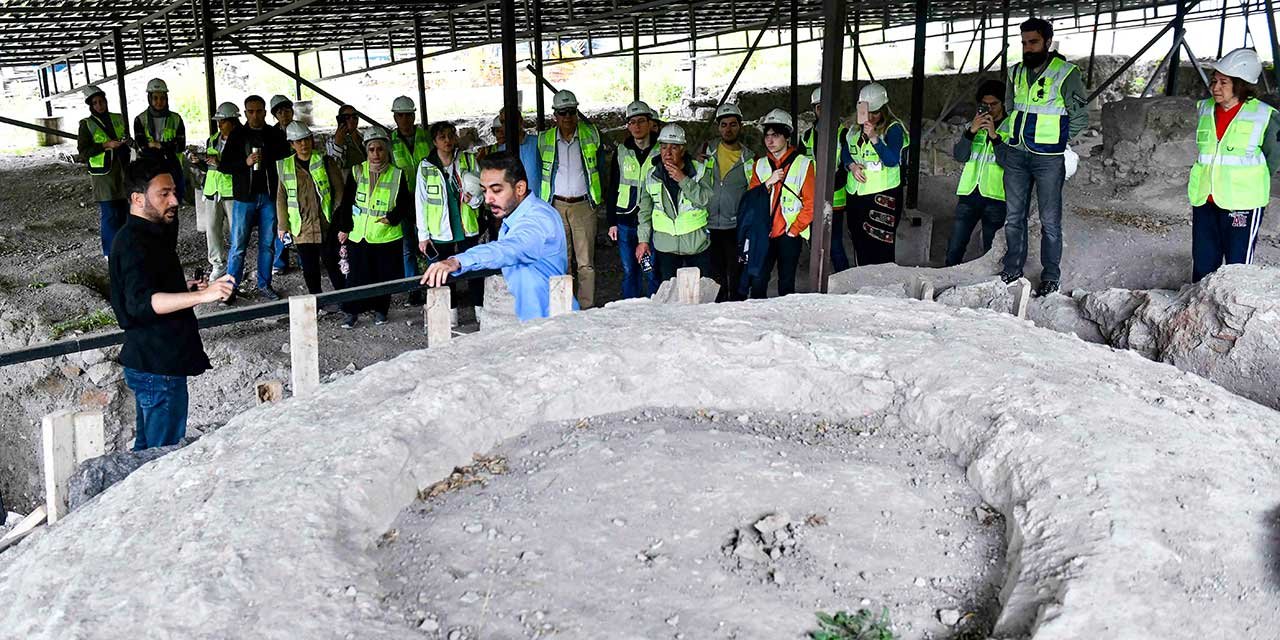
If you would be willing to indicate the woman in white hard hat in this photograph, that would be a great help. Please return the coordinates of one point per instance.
(103, 142)
(448, 216)
(672, 214)
(161, 134)
(874, 153)
(1238, 139)
(311, 186)
(788, 176)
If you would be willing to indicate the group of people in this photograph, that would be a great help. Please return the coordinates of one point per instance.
(376, 205)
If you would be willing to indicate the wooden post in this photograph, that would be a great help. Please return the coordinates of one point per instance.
(1021, 297)
(435, 317)
(304, 345)
(688, 283)
(561, 295)
(69, 438)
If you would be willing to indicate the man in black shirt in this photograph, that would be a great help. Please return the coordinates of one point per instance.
(250, 156)
(154, 305)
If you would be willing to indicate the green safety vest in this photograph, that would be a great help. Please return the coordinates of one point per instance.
(630, 175)
(879, 177)
(1232, 170)
(407, 160)
(589, 142)
(838, 197)
(169, 132)
(982, 172)
(373, 202)
(1039, 116)
(687, 218)
(289, 178)
(747, 161)
(98, 164)
(435, 209)
(793, 185)
(216, 183)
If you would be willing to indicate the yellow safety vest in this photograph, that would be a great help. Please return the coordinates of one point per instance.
(790, 201)
(981, 171)
(375, 201)
(436, 207)
(216, 183)
(630, 175)
(879, 177)
(589, 143)
(1039, 116)
(406, 159)
(289, 178)
(838, 197)
(98, 164)
(686, 219)
(1232, 170)
(167, 134)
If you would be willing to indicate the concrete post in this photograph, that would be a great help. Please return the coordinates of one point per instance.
(688, 285)
(68, 438)
(435, 317)
(561, 295)
(304, 345)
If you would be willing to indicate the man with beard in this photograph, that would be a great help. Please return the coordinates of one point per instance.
(729, 162)
(531, 246)
(1048, 101)
(153, 303)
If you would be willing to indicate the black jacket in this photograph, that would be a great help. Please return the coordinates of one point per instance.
(246, 183)
(755, 221)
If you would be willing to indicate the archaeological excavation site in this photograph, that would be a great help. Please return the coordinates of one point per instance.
(812, 320)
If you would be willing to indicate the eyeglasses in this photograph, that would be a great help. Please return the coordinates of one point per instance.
(560, 113)
(637, 121)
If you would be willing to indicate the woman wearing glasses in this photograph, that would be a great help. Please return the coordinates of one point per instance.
(873, 153)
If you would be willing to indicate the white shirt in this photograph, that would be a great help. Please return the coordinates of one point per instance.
(571, 175)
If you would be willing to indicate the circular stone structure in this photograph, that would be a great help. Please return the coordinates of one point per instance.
(1138, 499)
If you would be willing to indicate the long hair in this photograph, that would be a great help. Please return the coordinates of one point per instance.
(887, 117)
(1243, 90)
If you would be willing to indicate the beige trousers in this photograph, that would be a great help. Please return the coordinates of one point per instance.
(580, 238)
(214, 219)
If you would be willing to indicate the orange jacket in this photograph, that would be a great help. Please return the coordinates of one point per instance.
(806, 198)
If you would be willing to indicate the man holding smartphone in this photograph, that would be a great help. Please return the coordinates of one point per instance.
(346, 146)
(981, 187)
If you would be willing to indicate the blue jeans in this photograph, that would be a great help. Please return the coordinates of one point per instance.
(839, 259)
(281, 261)
(410, 228)
(1022, 171)
(634, 278)
(245, 216)
(970, 210)
(161, 403)
(112, 215)
(1219, 237)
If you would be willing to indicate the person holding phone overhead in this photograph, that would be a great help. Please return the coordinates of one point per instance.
(873, 153)
(981, 187)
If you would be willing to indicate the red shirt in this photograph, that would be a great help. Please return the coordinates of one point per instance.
(1222, 119)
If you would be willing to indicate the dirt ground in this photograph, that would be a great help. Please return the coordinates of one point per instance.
(679, 524)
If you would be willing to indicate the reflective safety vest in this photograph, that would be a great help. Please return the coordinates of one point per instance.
(406, 159)
(981, 172)
(98, 164)
(375, 201)
(687, 217)
(435, 210)
(792, 186)
(839, 197)
(589, 143)
(748, 163)
(1039, 116)
(630, 175)
(319, 176)
(1232, 170)
(879, 177)
(216, 183)
(167, 134)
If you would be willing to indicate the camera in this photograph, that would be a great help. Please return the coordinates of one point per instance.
(983, 109)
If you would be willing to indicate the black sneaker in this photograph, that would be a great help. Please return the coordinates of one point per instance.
(349, 321)
(269, 293)
(415, 299)
(1047, 287)
(1009, 278)
(379, 318)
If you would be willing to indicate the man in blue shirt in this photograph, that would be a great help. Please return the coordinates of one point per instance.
(531, 244)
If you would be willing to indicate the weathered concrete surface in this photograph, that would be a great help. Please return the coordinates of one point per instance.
(1136, 494)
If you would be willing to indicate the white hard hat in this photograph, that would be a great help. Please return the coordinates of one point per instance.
(874, 95)
(227, 111)
(376, 133)
(1240, 63)
(278, 101)
(471, 183)
(93, 90)
(639, 108)
(780, 117)
(156, 85)
(403, 104)
(564, 99)
(297, 131)
(816, 97)
(728, 109)
(497, 123)
(672, 134)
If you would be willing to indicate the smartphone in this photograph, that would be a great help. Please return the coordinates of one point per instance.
(983, 109)
(863, 116)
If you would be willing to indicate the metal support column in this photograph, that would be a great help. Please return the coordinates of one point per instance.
(745, 59)
(857, 45)
(917, 102)
(539, 98)
(795, 62)
(1222, 28)
(118, 41)
(982, 39)
(417, 66)
(635, 58)
(693, 53)
(210, 82)
(510, 92)
(44, 92)
(1004, 48)
(1175, 55)
(1093, 43)
(835, 12)
(297, 86)
(1275, 40)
